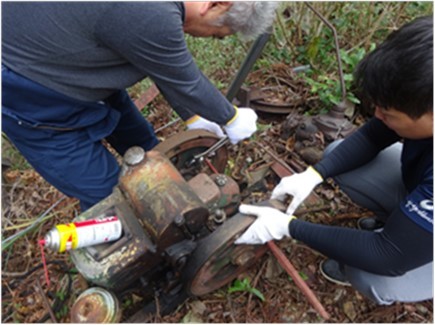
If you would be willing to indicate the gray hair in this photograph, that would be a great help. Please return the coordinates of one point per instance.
(250, 18)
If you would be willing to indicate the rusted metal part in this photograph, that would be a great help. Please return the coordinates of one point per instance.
(160, 214)
(158, 193)
(252, 97)
(217, 260)
(230, 193)
(116, 265)
(182, 148)
(205, 188)
(217, 191)
(96, 305)
(285, 263)
(282, 169)
(334, 124)
(147, 97)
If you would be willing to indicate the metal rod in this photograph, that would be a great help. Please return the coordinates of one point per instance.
(247, 64)
(337, 49)
(290, 269)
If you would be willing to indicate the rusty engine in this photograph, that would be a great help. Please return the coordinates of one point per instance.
(179, 224)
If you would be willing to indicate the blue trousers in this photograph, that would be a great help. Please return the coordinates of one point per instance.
(61, 137)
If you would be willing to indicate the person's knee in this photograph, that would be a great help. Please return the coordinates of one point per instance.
(364, 284)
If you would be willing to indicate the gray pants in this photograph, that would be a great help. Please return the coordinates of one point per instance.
(378, 187)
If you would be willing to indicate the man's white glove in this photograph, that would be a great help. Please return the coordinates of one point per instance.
(242, 125)
(197, 122)
(270, 224)
(298, 185)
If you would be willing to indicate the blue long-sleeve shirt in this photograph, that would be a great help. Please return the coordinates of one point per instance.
(406, 241)
(89, 50)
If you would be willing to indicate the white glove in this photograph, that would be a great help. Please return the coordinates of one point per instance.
(242, 125)
(197, 122)
(270, 224)
(298, 185)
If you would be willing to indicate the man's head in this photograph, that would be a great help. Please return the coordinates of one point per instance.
(397, 77)
(219, 19)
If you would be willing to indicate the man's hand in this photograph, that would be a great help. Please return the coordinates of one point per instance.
(197, 122)
(298, 185)
(242, 125)
(270, 224)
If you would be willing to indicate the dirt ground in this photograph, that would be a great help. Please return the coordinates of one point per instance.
(28, 200)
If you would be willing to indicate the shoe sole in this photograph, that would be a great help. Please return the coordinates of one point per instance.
(327, 277)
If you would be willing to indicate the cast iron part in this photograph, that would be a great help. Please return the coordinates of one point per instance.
(166, 223)
(182, 149)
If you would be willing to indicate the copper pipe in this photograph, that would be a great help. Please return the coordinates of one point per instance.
(285, 263)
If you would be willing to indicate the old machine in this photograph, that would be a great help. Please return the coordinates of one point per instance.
(179, 219)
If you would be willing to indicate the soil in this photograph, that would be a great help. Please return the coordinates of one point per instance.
(28, 200)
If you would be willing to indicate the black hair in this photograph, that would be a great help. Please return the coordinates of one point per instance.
(399, 73)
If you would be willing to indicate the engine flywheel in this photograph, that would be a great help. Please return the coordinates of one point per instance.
(182, 147)
(217, 260)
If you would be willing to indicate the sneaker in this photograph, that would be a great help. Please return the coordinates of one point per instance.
(333, 271)
(370, 223)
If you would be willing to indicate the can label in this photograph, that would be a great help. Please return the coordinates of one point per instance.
(88, 232)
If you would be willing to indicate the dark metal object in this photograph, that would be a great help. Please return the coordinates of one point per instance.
(254, 98)
(217, 260)
(337, 49)
(334, 124)
(182, 148)
(254, 52)
(164, 220)
(251, 97)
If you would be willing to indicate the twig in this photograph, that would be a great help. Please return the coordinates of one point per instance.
(158, 317)
(46, 302)
(254, 283)
(231, 308)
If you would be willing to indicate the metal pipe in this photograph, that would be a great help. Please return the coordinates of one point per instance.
(285, 263)
(337, 50)
(254, 53)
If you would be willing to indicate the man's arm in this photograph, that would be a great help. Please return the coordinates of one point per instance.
(358, 149)
(400, 247)
(150, 37)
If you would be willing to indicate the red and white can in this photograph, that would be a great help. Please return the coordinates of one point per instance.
(83, 233)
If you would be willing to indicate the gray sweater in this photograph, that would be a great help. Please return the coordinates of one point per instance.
(89, 50)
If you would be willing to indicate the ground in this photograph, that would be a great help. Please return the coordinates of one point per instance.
(30, 207)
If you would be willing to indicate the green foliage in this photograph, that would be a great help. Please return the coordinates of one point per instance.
(359, 27)
(245, 286)
(301, 38)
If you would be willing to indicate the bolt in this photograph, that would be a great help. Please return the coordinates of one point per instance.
(221, 180)
(134, 156)
(179, 220)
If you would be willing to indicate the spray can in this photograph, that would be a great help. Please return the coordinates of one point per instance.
(83, 233)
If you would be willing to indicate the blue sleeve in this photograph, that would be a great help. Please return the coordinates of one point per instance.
(358, 149)
(401, 246)
(151, 38)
